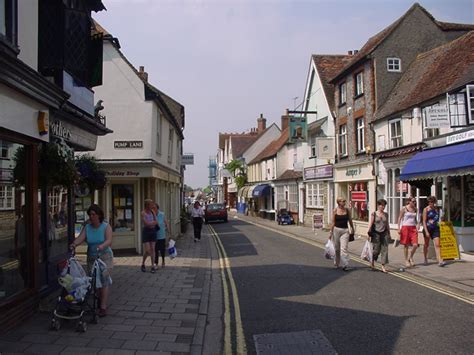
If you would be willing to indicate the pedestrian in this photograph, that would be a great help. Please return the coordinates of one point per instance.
(160, 245)
(341, 220)
(150, 227)
(431, 217)
(98, 236)
(408, 230)
(197, 214)
(380, 235)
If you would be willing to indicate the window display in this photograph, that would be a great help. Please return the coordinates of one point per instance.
(358, 201)
(123, 208)
(58, 220)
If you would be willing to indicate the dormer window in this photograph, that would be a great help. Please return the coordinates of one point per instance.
(394, 64)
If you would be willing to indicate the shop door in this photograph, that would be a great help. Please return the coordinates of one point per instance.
(124, 215)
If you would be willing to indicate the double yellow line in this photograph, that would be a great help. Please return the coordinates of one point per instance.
(228, 282)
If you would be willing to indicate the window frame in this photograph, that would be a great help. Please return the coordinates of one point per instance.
(360, 135)
(9, 35)
(359, 84)
(394, 62)
(159, 129)
(314, 195)
(470, 104)
(342, 139)
(7, 200)
(397, 138)
(170, 145)
(342, 93)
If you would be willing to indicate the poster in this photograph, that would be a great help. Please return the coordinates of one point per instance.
(120, 213)
(447, 241)
(128, 214)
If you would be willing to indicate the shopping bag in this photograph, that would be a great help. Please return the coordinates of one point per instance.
(367, 252)
(329, 250)
(73, 268)
(172, 252)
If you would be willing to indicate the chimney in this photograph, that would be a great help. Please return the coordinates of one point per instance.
(284, 120)
(261, 123)
(142, 73)
(356, 51)
(349, 52)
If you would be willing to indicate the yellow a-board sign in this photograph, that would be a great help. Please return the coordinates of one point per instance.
(447, 241)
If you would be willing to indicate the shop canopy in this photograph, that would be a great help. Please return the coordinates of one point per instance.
(243, 191)
(450, 160)
(261, 190)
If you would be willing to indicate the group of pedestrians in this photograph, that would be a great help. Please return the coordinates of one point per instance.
(155, 230)
(342, 228)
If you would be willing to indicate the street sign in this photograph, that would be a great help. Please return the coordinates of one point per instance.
(187, 159)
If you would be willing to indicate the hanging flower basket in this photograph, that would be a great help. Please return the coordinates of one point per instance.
(90, 176)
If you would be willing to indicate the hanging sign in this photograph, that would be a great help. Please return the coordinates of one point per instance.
(298, 129)
(447, 241)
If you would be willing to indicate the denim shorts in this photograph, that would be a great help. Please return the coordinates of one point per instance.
(434, 232)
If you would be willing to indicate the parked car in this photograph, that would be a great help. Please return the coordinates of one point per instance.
(284, 217)
(215, 212)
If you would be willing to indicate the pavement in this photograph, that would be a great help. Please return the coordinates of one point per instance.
(177, 310)
(456, 277)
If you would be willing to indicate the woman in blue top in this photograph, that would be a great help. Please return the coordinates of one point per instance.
(160, 246)
(98, 236)
(431, 219)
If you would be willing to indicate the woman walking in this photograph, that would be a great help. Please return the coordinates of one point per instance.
(380, 235)
(160, 246)
(197, 214)
(150, 227)
(341, 220)
(431, 217)
(98, 236)
(408, 230)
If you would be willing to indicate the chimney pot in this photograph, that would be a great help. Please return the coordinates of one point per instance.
(356, 51)
(261, 123)
(349, 52)
(142, 69)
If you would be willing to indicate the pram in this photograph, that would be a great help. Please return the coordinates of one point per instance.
(79, 295)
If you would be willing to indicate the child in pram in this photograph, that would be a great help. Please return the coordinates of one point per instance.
(98, 235)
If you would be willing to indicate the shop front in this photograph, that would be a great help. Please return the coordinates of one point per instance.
(262, 194)
(319, 199)
(356, 184)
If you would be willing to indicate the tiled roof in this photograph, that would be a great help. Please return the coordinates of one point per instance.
(374, 41)
(396, 152)
(225, 136)
(96, 27)
(328, 66)
(432, 74)
(273, 148)
(290, 174)
(240, 143)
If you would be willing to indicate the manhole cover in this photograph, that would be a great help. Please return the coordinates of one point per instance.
(304, 342)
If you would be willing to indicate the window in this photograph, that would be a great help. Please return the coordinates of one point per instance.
(394, 64)
(170, 145)
(342, 93)
(6, 197)
(4, 148)
(122, 208)
(395, 133)
(314, 195)
(158, 133)
(429, 132)
(458, 114)
(359, 84)
(293, 198)
(312, 147)
(360, 135)
(8, 21)
(470, 102)
(343, 140)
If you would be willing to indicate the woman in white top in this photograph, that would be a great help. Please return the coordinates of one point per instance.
(408, 230)
(197, 214)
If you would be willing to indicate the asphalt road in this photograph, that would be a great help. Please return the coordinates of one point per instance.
(285, 285)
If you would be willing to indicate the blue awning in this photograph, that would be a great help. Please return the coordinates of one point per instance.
(450, 160)
(261, 190)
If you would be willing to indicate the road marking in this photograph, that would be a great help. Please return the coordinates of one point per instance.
(404, 276)
(225, 267)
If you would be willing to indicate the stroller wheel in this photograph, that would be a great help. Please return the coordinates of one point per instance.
(81, 327)
(55, 324)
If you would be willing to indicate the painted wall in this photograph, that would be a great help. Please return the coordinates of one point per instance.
(28, 32)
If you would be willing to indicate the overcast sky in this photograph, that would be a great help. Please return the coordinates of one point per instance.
(227, 61)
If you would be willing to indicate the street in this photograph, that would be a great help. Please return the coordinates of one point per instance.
(285, 285)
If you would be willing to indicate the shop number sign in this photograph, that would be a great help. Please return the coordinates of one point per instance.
(447, 240)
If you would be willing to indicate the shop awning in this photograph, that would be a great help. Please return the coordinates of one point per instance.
(250, 190)
(243, 191)
(448, 160)
(261, 190)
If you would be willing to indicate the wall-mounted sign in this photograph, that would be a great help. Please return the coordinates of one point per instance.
(460, 137)
(187, 159)
(58, 129)
(318, 172)
(119, 173)
(298, 129)
(325, 148)
(128, 144)
(437, 117)
(353, 171)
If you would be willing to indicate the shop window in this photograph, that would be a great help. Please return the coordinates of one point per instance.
(82, 203)
(468, 201)
(314, 196)
(396, 133)
(343, 140)
(360, 135)
(14, 267)
(58, 220)
(358, 201)
(123, 208)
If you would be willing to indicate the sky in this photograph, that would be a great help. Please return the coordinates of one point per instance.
(228, 61)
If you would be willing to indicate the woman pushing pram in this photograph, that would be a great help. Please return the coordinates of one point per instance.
(98, 236)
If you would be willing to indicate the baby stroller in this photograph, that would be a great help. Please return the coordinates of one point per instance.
(78, 295)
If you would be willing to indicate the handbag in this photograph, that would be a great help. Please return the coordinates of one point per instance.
(351, 237)
(372, 233)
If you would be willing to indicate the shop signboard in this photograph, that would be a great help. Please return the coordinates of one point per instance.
(437, 117)
(317, 221)
(318, 172)
(448, 244)
(359, 196)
